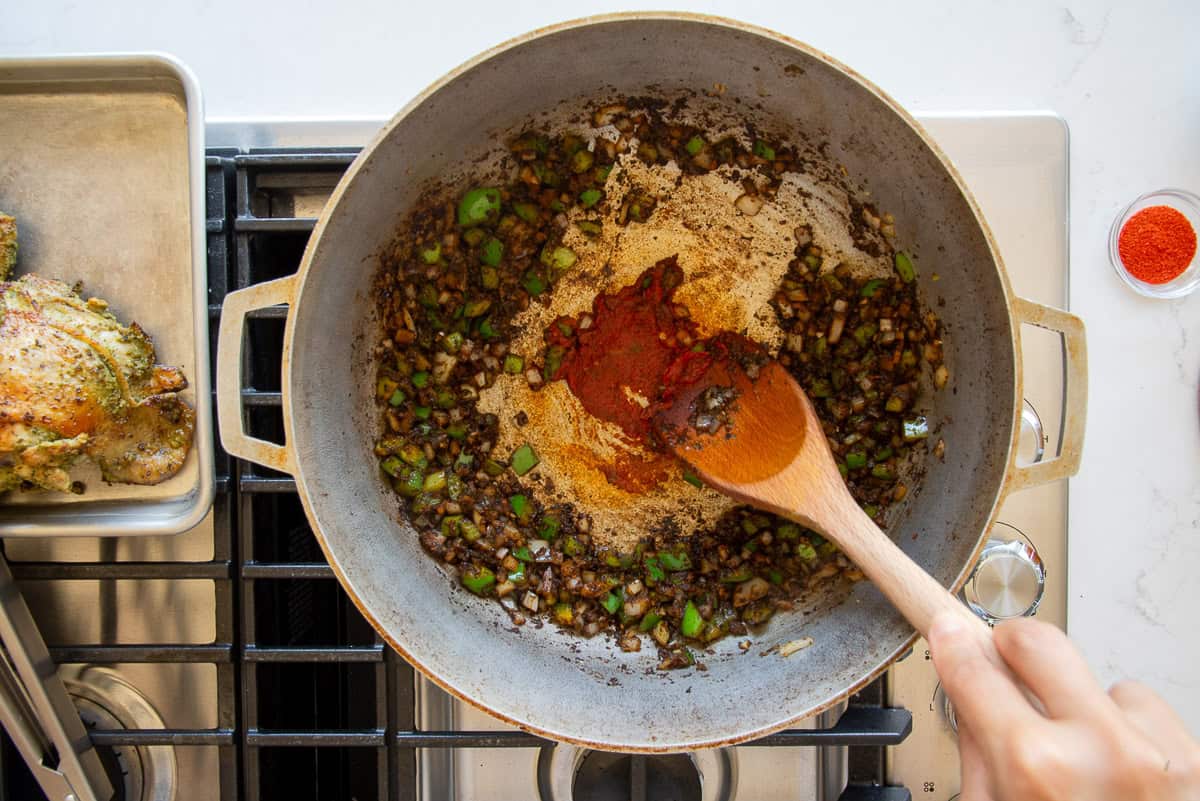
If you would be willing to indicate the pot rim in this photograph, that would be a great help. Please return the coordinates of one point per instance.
(551, 30)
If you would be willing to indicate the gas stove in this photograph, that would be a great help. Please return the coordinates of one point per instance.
(227, 662)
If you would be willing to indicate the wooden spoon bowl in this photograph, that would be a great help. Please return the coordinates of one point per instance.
(771, 453)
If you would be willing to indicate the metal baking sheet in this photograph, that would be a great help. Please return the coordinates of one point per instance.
(102, 164)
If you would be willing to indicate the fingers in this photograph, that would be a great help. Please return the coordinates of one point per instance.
(982, 694)
(1045, 661)
(976, 783)
(1158, 723)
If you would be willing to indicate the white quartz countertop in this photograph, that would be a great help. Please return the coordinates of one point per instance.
(1126, 77)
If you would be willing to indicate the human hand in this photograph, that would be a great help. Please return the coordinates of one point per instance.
(1074, 741)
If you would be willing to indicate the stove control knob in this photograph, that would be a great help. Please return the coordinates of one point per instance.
(941, 702)
(1008, 581)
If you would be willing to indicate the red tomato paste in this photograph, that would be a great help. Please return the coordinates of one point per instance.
(637, 352)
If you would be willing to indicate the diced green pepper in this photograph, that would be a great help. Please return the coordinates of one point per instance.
(450, 525)
(513, 363)
(398, 397)
(582, 161)
(489, 277)
(872, 287)
(435, 482)
(602, 172)
(533, 284)
(414, 455)
(384, 387)
(871, 510)
(692, 622)
(821, 388)
(737, 575)
(520, 506)
(915, 428)
(492, 467)
(882, 471)
(479, 205)
(533, 142)
(763, 150)
(452, 342)
(590, 227)
(479, 580)
(693, 479)
(554, 357)
(856, 460)
(894, 404)
(454, 486)
(422, 412)
(774, 576)
(430, 255)
(590, 197)
(522, 553)
(788, 531)
(883, 454)
(572, 547)
(694, 145)
(487, 330)
(524, 459)
(475, 308)
(457, 431)
(611, 603)
(806, 551)
(905, 267)
(654, 572)
(675, 561)
(865, 333)
(464, 460)
(409, 482)
(492, 252)
(445, 399)
(548, 529)
(420, 379)
(526, 211)
(470, 532)
(392, 466)
(649, 621)
(558, 258)
(757, 613)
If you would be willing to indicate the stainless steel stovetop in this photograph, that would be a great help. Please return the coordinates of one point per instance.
(1016, 164)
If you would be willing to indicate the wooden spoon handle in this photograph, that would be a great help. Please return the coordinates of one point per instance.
(918, 596)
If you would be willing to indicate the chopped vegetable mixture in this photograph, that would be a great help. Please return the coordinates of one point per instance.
(448, 290)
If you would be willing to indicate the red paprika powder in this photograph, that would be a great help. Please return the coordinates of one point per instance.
(1157, 244)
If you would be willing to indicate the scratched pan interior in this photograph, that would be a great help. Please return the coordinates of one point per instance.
(97, 156)
(588, 691)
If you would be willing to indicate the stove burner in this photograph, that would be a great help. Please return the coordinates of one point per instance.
(107, 702)
(566, 773)
(604, 776)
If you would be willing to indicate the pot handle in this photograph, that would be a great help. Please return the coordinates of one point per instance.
(234, 310)
(1075, 377)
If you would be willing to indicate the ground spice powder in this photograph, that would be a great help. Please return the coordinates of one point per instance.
(1157, 244)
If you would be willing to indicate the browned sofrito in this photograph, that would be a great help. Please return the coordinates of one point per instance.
(465, 263)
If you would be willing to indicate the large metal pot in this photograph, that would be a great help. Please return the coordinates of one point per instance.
(587, 691)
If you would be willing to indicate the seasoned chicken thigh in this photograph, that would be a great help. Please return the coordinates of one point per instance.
(75, 382)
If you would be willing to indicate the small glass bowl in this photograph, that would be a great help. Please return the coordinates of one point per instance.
(1186, 204)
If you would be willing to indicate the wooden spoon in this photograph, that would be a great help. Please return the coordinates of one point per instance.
(772, 453)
